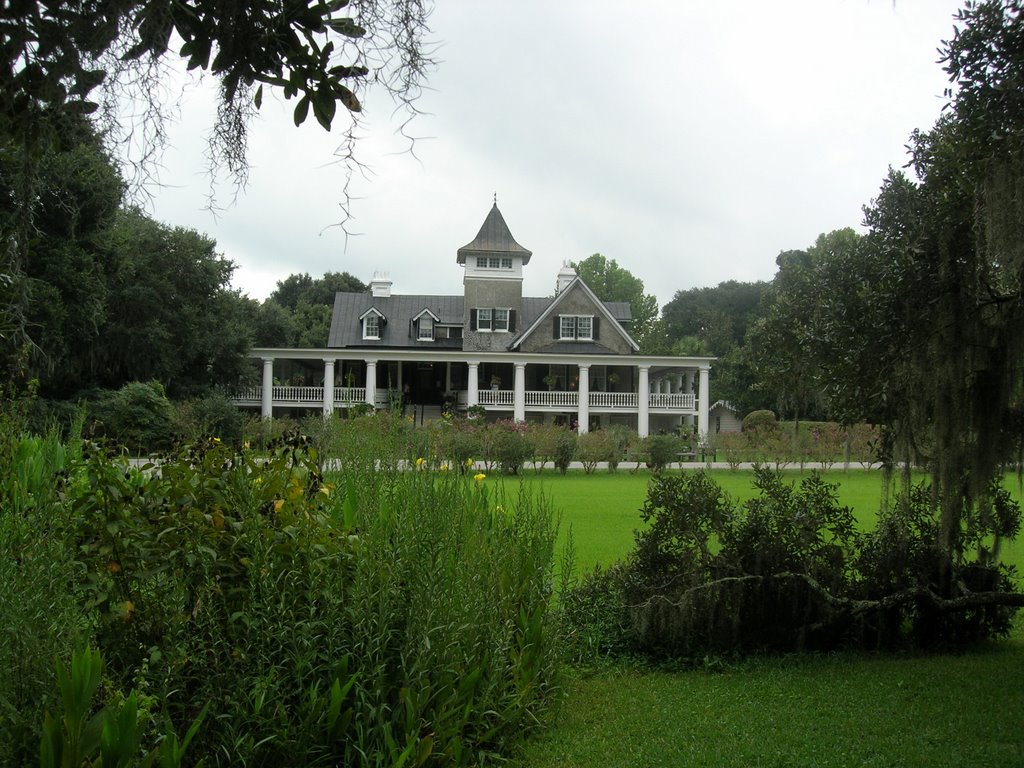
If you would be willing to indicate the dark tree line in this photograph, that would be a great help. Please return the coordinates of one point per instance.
(70, 68)
(113, 296)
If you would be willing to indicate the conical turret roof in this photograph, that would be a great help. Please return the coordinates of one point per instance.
(494, 238)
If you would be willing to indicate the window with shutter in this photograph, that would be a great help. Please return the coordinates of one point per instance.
(567, 327)
(500, 320)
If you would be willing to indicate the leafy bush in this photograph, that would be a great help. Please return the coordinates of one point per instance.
(322, 618)
(788, 571)
(622, 441)
(138, 416)
(213, 415)
(565, 449)
(760, 421)
(660, 451)
(511, 446)
(735, 448)
(594, 447)
(544, 438)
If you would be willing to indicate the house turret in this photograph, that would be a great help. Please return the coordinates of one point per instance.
(492, 285)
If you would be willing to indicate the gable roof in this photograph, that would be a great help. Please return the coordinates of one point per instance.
(605, 310)
(494, 238)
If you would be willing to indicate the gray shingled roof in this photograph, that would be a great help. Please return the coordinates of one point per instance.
(347, 331)
(399, 311)
(494, 237)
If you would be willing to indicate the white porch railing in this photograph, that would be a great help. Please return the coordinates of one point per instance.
(678, 401)
(613, 400)
(500, 398)
(496, 397)
(306, 395)
(544, 399)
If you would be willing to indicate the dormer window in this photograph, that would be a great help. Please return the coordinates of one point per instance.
(371, 327)
(373, 322)
(425, 328)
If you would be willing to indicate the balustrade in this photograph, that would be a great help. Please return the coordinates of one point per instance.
(502, 398)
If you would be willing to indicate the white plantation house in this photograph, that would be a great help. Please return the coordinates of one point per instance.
(567, 359)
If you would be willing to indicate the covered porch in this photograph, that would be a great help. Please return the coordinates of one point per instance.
(647, 393)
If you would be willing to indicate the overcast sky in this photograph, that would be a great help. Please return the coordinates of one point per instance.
(690, 141)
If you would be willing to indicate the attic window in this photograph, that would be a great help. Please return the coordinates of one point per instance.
(371, 326)
(425, 328)
(494, 262)
(575, 327)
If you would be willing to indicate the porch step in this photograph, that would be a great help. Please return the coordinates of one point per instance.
(424, 413)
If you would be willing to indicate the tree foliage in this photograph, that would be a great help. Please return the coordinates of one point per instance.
(298, 312)
(113, 296)
(61, 61)
(610, 282)
(295, 289)
(714, 321)
(918, 323)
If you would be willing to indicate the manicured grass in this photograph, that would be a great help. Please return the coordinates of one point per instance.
(832, 710)
(837, 711)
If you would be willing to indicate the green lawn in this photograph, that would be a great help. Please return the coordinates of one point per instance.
(838, 711)
(603, 509)
(833, 710)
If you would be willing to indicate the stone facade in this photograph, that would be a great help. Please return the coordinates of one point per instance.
(576, 302)
(491, 294)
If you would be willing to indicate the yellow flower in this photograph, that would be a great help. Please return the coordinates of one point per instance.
(245, 445)
(216, 439)
(499, 509)
(469, 462)
(420, 462)
(479, 476)
(444, 467)
(278, 503)
(325, 490)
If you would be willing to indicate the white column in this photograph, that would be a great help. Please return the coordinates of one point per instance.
(371, 382)
(643, 399)
(703, 404)
(472, 382)
(328, 386)
(519, 393)
(267, 396)
(688, 383)
(583, 425)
